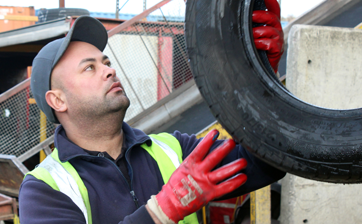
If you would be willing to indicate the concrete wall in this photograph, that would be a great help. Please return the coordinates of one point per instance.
(323, 68)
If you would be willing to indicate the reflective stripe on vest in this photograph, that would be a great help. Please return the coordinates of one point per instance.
(172, 155)
(64, 178)
(167, 153)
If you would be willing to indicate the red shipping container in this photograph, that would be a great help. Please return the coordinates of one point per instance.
(6, 25)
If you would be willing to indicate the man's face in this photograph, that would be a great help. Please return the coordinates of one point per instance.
(90, 86)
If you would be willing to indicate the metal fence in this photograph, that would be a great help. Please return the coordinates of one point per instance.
(151, 60)
(21, 124)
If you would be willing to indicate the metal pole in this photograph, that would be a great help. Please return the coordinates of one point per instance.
(144, 5)
(140, 16)
(43, 133)
(260, 212)
(61, 4)
(280, 4)
(117, 9)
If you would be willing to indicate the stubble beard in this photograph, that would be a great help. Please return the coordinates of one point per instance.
(90, 109)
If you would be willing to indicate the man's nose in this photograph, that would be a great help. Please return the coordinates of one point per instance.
(109, 73)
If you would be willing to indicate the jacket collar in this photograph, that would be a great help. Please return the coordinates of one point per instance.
(68, 150)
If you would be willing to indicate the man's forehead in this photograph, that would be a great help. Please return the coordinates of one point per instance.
(75, 53)
(81, 46)
(78, 50)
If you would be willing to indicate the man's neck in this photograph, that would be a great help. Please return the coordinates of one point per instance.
(101, 138)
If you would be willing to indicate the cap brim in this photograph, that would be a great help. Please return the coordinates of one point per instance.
(86, 29)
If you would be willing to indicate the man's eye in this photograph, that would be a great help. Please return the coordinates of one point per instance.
(89, 68)
(109, 64)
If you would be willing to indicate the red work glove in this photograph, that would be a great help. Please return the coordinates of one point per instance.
(270, 37)
(193, 184)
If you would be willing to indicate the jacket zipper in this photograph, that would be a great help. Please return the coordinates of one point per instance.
(133, 194)
(135, 199)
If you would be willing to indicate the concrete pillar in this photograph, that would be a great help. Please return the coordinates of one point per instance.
(324, 68)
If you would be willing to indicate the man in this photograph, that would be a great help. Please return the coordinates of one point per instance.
(104, 171)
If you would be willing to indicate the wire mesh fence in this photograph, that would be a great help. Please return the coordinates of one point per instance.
(151, 60)
(21, 124)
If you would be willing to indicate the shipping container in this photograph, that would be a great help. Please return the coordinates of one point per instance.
(22, 17)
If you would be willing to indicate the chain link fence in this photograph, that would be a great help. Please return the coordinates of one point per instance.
(21, 124)
(151, 60)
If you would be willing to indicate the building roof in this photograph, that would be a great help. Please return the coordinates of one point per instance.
(48, 30)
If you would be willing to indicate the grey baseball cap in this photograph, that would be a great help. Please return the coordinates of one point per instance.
(86, 29)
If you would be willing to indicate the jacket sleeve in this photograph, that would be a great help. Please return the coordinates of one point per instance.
(40, 204)
(259, 173)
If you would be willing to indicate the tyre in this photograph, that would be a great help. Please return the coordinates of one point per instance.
(52, 14)
(254, 107)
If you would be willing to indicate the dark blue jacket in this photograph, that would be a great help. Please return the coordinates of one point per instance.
(109, 193)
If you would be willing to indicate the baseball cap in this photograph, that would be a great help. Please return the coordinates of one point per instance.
(86, 29)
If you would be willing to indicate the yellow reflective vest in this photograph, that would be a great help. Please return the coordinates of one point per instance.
(165, 149)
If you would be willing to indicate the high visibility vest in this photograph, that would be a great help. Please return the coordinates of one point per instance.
(64, 178)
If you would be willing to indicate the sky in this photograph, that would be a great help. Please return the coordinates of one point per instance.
(176, 7)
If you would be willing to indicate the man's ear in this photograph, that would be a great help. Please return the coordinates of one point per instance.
(56, 100)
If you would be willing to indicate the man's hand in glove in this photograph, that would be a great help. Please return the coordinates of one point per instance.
(194, 184)
(270, 37)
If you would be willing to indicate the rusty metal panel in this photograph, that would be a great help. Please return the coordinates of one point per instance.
(11, 175)
(6, 25)
(8, 207)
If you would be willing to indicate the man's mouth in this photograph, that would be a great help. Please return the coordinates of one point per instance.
(115, 87)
